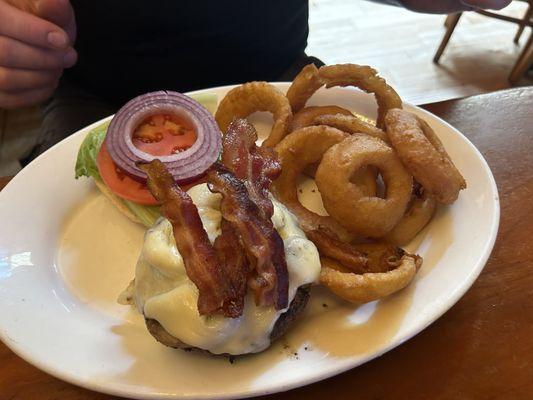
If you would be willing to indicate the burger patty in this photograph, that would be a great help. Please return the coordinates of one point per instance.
(281, 326)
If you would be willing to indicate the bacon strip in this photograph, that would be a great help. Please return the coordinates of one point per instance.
(256, 166)
(217, 293)
(234, 262)
(260, 241)
(249, 251)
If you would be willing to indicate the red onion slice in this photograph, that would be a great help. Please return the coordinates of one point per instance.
(185, 166)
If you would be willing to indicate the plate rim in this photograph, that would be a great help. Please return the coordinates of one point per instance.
(334, 370)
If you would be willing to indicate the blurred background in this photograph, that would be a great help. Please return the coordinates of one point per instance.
(400, 44)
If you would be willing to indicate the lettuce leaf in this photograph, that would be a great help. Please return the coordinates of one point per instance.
(147, 215)
(208, 100)
(86, 161)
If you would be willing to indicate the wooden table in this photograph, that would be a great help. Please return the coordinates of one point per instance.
(480, 349)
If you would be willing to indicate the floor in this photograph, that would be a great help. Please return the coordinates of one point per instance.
(400, 44)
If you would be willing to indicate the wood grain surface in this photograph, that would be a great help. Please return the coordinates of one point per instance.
(4, 181)
(480, 349)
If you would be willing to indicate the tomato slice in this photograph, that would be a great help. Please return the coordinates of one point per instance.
(119, 182)
(159, 135)
(163, 135)
(124, 186)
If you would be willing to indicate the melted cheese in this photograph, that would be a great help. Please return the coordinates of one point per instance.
(164, 292)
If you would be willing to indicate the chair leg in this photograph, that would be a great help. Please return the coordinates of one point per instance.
(526, 18)
(451, 23)
(449, 17)
(523, 63)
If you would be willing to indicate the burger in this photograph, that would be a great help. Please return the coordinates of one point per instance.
(224, 267)
(166, 297)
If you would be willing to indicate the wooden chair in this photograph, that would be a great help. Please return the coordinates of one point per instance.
(525, 59)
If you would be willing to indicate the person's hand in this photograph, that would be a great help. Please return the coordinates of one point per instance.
(36, 39)
(452, 6)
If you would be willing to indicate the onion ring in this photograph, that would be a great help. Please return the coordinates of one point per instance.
(367, 79)
(344, 253)
(363, 288)
(303, 86)
(351, 124)
(359, 258)
(246, 99)
(309, 80)
(381, 257)
(306, 116)
(424, 156)
(365, 178)
(345, 202)
(417, 216)
(297, 150)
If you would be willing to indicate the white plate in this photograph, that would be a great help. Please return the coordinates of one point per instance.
(66, 253)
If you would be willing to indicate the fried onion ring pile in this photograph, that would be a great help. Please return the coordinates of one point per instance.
(380, 183)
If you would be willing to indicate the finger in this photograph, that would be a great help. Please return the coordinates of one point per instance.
(59, 12)
(18, 80)
(26, 98)
(15, 54)
(24, 5)
(487, 4)
(30, 29)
